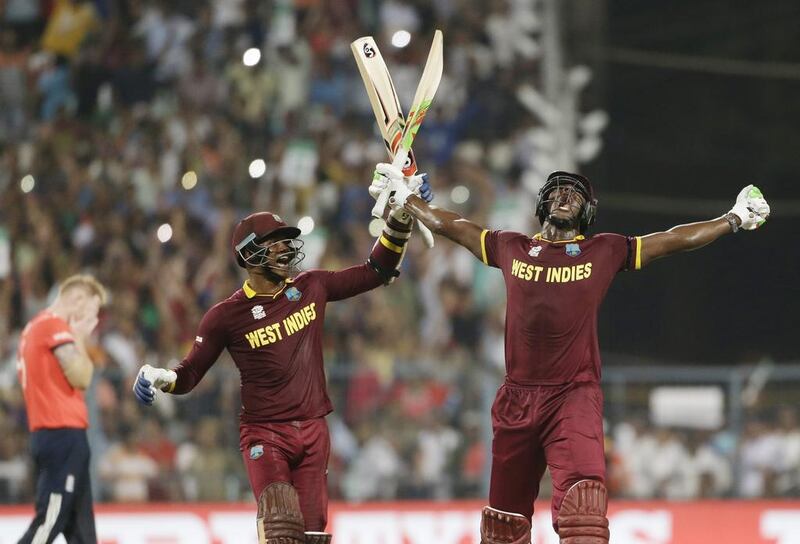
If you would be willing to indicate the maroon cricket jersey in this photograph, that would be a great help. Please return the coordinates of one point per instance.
(276, 342)
(554, 290)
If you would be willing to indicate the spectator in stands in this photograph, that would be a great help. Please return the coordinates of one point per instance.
(126, 470)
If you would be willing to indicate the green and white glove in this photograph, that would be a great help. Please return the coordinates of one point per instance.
(751, 208)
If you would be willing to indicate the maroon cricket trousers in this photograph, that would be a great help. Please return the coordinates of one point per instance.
(295, 452)
(535, 427)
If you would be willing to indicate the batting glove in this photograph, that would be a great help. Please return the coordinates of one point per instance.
(390, 178)
(149, 379)
(419, 185)
(751, 208)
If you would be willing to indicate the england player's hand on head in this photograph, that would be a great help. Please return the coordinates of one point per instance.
(149, 379)
(751, 208)
(82, 325)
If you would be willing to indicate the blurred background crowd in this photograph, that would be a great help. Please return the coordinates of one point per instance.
(134, 134)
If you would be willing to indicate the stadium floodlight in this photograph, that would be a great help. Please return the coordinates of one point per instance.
(578, 77)
(593, 122)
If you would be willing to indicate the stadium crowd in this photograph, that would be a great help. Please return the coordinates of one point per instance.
(120, 117)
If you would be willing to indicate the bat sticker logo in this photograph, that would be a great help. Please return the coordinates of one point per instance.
(369, 52)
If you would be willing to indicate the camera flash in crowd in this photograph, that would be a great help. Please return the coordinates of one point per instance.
(401, 38)
(27, 183)
(306, 225)
(376, 226)
(257, 168)
(189, 180)
(164, 233)
(459, 194)
(251, 57)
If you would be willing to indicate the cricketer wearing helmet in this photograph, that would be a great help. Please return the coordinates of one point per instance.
(548, 413)
(272, 327)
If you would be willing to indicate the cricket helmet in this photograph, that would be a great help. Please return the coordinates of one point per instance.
(581, 184)
(252, 231)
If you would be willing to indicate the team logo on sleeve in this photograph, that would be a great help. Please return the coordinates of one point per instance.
(293, 294)
(256, 451)
(535, 250)
(258, 312)
(573, 250)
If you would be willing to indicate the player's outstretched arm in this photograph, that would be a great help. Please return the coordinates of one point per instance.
(440, 221)
(211, 339)
(750, 212)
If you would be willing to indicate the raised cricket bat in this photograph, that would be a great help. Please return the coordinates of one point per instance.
(398, 133)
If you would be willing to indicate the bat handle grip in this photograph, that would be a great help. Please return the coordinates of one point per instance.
(427, 235)
(399, 160)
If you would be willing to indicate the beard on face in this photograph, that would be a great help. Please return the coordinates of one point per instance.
(563, 223)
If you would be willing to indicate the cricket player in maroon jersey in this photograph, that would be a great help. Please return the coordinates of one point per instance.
(548, 413)
(272, 328)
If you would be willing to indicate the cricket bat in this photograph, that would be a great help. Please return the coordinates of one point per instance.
(398, 133)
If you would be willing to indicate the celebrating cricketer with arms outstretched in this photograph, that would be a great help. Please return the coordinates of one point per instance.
(548, 413)
(272, 327)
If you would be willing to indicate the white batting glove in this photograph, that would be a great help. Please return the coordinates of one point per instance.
(149, 379)
(751, 208)
(378, 185)
(390, 178)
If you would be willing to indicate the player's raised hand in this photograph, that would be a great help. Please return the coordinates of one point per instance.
(149, 379)
(379, 184)
(751, 208)
(390, 178)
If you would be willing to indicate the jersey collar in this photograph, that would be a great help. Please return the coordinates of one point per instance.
(249, 292)
(578, 238)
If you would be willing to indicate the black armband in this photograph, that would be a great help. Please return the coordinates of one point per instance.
(387, 275)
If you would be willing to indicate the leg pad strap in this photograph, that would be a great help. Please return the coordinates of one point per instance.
(318, 538)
